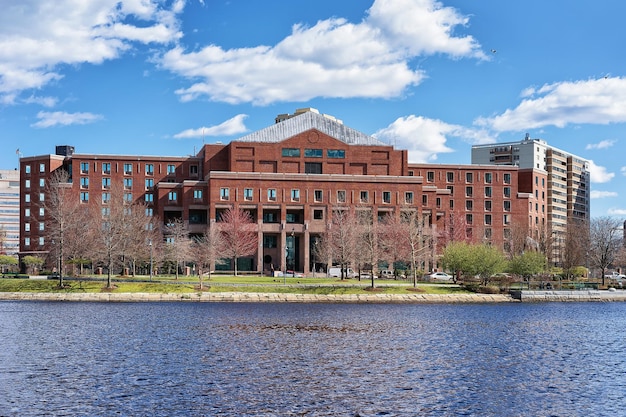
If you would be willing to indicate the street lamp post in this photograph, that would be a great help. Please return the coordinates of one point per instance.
(150, 244)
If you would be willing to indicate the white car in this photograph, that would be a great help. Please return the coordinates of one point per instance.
(440, 276)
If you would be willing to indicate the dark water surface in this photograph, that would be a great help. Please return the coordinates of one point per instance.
(204, 359)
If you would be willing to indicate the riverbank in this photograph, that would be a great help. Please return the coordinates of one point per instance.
(251, 297)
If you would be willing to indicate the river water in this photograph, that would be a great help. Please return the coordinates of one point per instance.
(211, 359)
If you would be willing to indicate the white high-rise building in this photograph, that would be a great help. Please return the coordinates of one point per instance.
(9, 211)
(558, 181)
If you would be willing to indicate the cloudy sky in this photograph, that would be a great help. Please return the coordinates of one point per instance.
(162, 77)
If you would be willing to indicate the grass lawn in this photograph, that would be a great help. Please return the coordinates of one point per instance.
(223, 283)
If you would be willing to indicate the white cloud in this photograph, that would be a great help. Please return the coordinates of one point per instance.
(42, 101)
(336, 58)
(231, 126)
(425, 138)
(50, 119)
(603, 144)
(623, 170)
(603, 194)
(38, 36)
(560, 104)
(616, 212)
(599, 173)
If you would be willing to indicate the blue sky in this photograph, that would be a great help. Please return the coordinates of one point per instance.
(435, 77)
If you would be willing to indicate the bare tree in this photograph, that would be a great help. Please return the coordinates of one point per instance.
(604, 242)
(207, 250)
(368, 241)
(178, 242)
(392, 231)
(573, 247)
(112, 225)
(417, 239)
(342, 237)
(66, 217)
(239, 235)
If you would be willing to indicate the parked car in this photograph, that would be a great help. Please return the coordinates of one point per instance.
(387, 274)
(288, 274)
(440, 276)
(336, 272)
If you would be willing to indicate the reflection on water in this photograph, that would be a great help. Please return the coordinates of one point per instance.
(201, 359)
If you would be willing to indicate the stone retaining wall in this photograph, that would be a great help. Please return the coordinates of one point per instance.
(577, 295)
(261, 297)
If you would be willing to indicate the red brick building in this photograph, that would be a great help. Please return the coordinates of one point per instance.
(288, 176)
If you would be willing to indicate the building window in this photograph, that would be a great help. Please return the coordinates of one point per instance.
(364, 197)
(451, 204)
(42, 196)
(469, 205)
(313, 153)
(270, 241)
(317, 195)
(424, 199)
(507, 220)
(27, 198)
(84, 182)
(106, 182)
(42, 211)
(487, 191)
(487, 219)
(507, 192)
(450, 176)
(271, 194)
(26, 241)
(128, 183)
(172, 196)
(27, 169)
(291, 152)
(27, 212)
(292, 218)
(341, 196)
(171, 169)
(128, 169)
(84, 167)
(197, 194)
(149, 211)
(247, 194)
(469, 191)
(128, 197)
(507, 205)
(408, 197)
(312, 168)
(106, 197)
(27, 184)
(430, 176)
(193, 170)
(488, 177)
(469, 177)
(438, 202)
(224, 193)
(42, 182)
(42, 167)
(295, 195)
(318, 214)
(336, 153)
(149, 183)
(84, 197)
(149, 197)
(507, 178)
(386, 197)
(149, 169)
(106, 168)
(469, 219)
(41, 241)
(27, 227)
(488, 205)
(488, 233)
(106, 211)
